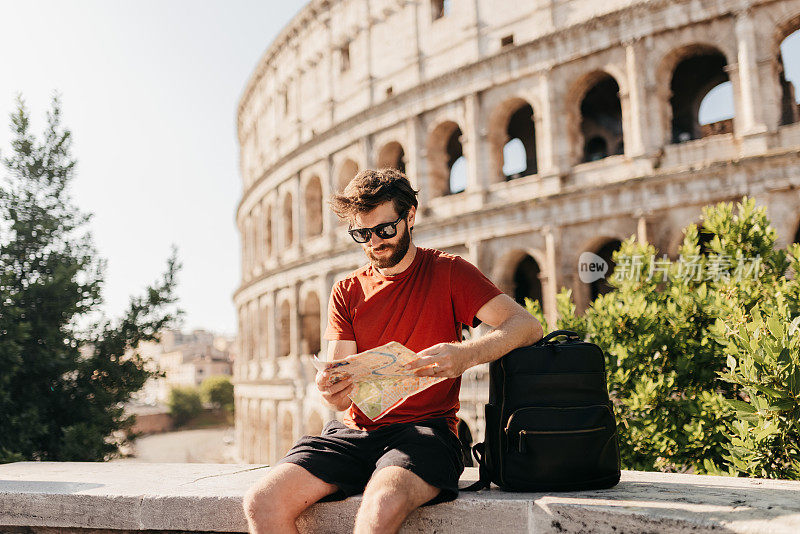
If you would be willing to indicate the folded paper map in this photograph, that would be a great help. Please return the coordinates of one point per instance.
(380, 381)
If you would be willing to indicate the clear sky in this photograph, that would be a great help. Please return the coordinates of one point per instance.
(149, 90)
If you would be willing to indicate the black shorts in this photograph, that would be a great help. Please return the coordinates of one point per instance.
(347, 457)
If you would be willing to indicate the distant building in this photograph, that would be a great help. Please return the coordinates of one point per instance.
(186, 359)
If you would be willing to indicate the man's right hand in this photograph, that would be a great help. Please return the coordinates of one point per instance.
(335, 394)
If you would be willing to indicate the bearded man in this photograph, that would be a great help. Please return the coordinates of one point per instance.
(419, 297)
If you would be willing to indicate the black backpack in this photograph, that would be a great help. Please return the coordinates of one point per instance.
(549, 422)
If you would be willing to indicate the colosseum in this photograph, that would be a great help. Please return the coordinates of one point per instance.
(535, 131)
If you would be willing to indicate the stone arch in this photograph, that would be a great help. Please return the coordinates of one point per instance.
(311, 321)
(242, 333)
(685, 77)
(265, 452)
(288, 224)
(790, 109)
(347, 171)
(253, 326)
(392, 155)
(251, 449)
(286, 433)
(314, 424)
(594, 114)
(262, 332)
(258, 238)
(518, 273)
(249, 244)
(267, 239)
(313, 206)
(605, 249)
(285, 342)
(444, 149)
(512, 119)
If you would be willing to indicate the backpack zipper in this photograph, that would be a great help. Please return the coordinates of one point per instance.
(522, 448)
(511, 417)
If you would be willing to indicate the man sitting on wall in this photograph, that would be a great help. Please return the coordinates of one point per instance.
(416, 296)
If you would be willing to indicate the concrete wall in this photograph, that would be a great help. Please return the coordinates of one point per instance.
(120, 497)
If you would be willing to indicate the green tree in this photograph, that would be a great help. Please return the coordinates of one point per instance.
(184, 404)
(660, 333)
(62, 388)
(218, 390)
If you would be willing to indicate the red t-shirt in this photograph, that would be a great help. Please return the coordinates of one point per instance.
(420, 307)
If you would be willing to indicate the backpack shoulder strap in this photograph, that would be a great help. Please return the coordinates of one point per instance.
(484, 481)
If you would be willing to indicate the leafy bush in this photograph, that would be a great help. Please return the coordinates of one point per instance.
(660, 327)
(184, 404)
(218, 390)
(763, 358)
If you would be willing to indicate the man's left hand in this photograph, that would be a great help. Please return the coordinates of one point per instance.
(444, 360)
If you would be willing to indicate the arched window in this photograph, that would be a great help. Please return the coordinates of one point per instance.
(286, 329)
(313, 202)
(288, 224)
(392, 155)
(261, 331)
(252, 338)
(601, 286)
(263, 321)
(242, 331)
(702, 98)
(347, 172)
(446, 160)
(263, 431)
(267, 231)
(311, 324)
(526, 281)
(601, 118)
(789, 73)
(519, 153)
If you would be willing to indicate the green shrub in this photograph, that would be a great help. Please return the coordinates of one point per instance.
(665, 353)
(184, 404)
(218, 391)
(764, 360)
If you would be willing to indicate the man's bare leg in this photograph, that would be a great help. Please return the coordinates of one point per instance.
(273, 503)
(391, 494)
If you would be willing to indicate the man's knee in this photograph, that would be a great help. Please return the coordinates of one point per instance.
(262, 498)
(394, 493)
(385, 502)
(282, 494)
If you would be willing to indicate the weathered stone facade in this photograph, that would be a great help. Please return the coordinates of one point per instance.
(604, 97)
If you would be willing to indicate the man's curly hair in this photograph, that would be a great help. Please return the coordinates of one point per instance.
(372, 187)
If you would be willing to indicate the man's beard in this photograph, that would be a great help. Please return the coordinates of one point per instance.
(399, 252)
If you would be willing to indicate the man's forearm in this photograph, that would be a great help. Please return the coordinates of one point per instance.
(516, 331)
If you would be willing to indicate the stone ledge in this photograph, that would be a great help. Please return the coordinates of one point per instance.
(60, 497)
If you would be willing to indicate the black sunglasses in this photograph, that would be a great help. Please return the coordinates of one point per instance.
(384, 231)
